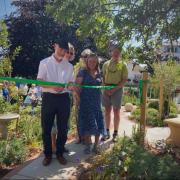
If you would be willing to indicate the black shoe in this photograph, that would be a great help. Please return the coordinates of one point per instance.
(47, 161)
(115, 138)
(66, 150)
(78, 141)
(62, 160)
(105, 137)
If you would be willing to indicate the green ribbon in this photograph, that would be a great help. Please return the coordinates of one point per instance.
(45, 83)
(141, 90)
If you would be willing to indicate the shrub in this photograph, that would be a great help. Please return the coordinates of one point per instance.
(2, 151)
(16, 148)
(151, 118)
(30, 129)
(173, 110)
(3, 105)
(154, 105)
(136, 114)
(130, 161)
(12, 151)
(129, 99)
(8, 107)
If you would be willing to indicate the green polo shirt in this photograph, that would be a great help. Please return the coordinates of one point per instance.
(114, 72)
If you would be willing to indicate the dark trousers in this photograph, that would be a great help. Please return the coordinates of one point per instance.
(55, 104)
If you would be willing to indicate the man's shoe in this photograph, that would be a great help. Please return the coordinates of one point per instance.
(78, 141)
(87, 149)
(66, 150)
(105, 137)
(115, 138)
(62, 160)
(96, 149)
(47, 161)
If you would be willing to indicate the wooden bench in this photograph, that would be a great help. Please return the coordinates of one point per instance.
(174, 125)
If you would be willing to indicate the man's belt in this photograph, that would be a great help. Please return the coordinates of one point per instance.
(58, 94)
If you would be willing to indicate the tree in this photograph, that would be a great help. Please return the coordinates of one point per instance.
(32, 29)
(121, 20)
(5, 57)
(167, 75)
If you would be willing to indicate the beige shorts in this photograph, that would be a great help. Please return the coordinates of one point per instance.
(113, 100)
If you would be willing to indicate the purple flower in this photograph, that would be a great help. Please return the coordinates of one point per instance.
(101, 143)
(78, 160)
(99, 169)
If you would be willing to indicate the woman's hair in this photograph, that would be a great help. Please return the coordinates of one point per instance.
(86, 53)
(93, 56)
(71, 47)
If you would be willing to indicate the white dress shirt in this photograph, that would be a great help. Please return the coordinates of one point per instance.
(53, 71)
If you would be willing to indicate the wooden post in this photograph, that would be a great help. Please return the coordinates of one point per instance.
(143, 108)
(161, 99)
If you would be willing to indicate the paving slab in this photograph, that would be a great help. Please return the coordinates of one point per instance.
(17, 177)
(157, 133)
(76, 157)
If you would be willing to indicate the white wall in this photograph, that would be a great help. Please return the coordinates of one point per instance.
(132, 74)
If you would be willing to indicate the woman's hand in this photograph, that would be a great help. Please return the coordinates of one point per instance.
(77, 89)
(77, 99)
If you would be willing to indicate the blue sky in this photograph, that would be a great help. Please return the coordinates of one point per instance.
(5, 8)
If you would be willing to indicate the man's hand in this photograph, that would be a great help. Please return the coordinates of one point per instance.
(113, 90)
(71, 88)
(58, 88)
(108, 92)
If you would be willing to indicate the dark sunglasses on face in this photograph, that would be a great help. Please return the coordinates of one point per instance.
(71, 53)
(84, 57)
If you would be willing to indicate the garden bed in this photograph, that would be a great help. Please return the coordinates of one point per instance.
(152, 118)
(25, 144)
(129, 160)
(33, 153)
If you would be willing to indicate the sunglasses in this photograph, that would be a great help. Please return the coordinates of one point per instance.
(84, 57)
(71, 53)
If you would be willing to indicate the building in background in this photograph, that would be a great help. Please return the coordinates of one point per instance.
(167, 51)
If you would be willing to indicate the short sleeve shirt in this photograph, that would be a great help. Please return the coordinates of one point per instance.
(53, 71)
(114, 72)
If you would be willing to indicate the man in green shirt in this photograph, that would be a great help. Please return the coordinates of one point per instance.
(114, 73)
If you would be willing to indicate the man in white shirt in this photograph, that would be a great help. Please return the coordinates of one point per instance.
(55, 100)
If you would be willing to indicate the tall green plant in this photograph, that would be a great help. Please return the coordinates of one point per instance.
(12, 151)
(168, 73)
(5, 57)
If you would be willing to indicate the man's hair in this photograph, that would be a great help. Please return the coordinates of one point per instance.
(62, 43)
(113, 44)
(115, 47)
